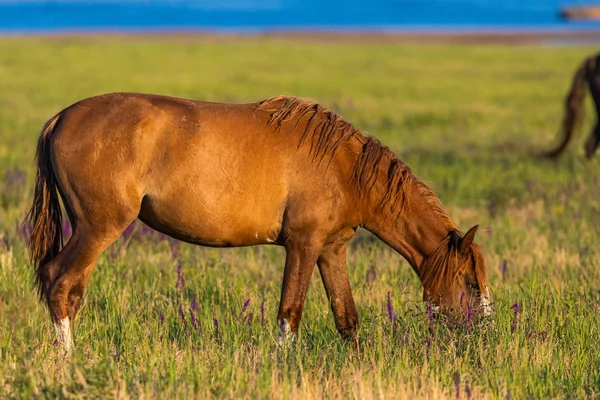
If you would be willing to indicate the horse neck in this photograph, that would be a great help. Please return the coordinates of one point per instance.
(414, 229)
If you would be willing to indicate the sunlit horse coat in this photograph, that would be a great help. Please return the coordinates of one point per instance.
(283, 171)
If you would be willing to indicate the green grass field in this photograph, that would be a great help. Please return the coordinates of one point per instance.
(466, 119)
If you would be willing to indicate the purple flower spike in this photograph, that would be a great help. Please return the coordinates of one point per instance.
(193, 311)
(216, 324)
(507, 395)
(430, 315)
(504, 268)
(180, 278)
(246, 304)
(262, 313)
(390, 308)
(516, 307)
(195, 304)
(468, 391)
(457, 384)
(182, 316)
(469, 317)
(250, 318)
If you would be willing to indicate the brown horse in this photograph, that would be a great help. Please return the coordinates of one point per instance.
(588, 72)
(283, 171)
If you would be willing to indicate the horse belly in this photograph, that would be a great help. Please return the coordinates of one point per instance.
(225, 213)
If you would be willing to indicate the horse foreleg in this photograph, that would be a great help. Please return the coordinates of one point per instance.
(301, 257)
(332, 266)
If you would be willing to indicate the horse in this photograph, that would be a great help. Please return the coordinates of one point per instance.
(283, 171)
(588, 72)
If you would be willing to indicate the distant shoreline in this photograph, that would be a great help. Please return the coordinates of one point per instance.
(432, 35)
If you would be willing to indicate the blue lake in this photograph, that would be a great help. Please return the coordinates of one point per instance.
(240, 15)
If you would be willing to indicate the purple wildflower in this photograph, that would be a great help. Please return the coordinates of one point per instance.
(469, 317)
(507, 395)
(193, 311)
(161, 318)
(468, 391)
(246, 304)
(395, 324)
(430, 315)
(182, 315)
(390, 308)
(194, 304)
(250, 318)
(216, 324)
(180, 278)
(504, 268)
(457, 384)
(517, 309)
(262, 313)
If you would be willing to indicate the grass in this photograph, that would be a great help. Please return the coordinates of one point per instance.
(466, 119)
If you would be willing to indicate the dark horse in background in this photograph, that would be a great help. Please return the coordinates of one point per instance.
(283, 171)
(588, 73)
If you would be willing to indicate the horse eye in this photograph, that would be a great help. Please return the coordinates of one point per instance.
(473, 286)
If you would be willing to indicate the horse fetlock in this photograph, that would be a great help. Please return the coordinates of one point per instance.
(285, 332)
(63, 334)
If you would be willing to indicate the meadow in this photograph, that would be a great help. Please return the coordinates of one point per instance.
(171, 320)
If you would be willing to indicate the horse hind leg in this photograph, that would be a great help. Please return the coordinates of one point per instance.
(73, 267)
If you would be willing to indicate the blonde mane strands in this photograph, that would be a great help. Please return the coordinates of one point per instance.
(325, 131)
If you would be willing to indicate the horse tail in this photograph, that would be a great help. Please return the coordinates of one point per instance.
(45, 214)
(573, 108)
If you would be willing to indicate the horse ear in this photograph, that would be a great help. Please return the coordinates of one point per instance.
(467, 240)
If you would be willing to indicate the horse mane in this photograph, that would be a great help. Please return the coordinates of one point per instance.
(444, 265)
(325, 131)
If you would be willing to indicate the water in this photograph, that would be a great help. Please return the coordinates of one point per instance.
(247, 15)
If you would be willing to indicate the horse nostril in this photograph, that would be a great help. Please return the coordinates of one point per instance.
(485, 306)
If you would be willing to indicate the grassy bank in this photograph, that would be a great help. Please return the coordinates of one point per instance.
(162, 319)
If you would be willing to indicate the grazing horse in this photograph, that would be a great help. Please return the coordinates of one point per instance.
(588, 72)
(283, 171)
